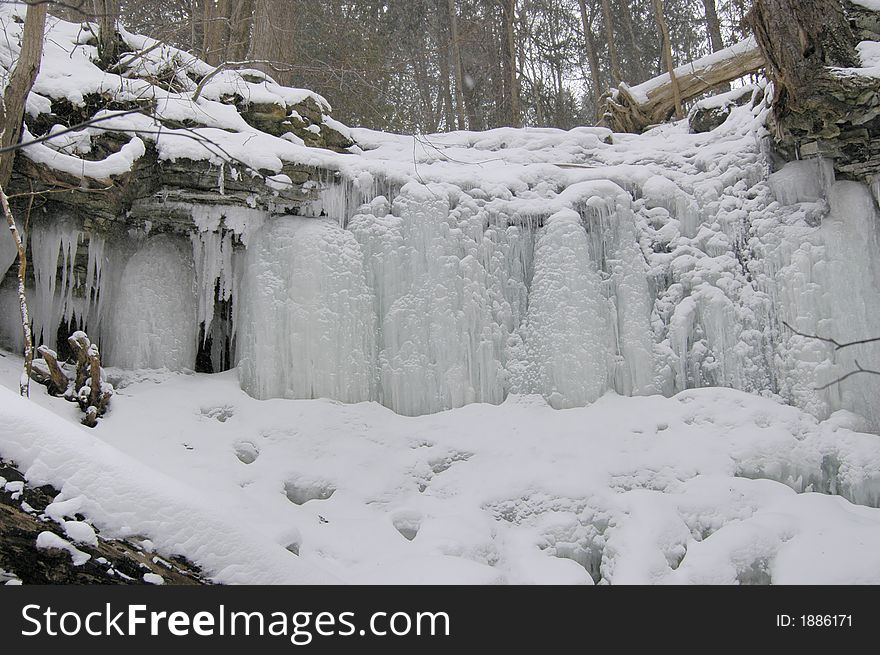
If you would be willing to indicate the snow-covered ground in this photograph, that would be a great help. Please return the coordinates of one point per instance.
(710, 486)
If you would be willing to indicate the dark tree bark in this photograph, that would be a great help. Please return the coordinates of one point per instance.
(799, 39)
(817, 110)
(445, 72)
(612, 47)
(713, 25)
(510, 58)
(455, 53)
(107, 13)
(667, 56)
(20, 84)
(592, 57)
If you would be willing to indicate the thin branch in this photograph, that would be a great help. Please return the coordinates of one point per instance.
(859, 369)
(72, 128)
(838, 345)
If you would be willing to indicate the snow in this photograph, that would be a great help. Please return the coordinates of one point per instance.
(710, 486)
(873, 5)
(116, 163)
(153, 578)
(80, 532)
(125, 498)
(50, 541)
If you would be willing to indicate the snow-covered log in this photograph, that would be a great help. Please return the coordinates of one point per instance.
(633, 108)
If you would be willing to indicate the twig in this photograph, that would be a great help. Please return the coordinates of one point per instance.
(838, 345)
(859, 369)
(72, 128)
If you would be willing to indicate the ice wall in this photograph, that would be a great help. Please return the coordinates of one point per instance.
(152, 323)
(442, 283)
(638, 279)
(567, 329)
(306, 323)
(821, 265)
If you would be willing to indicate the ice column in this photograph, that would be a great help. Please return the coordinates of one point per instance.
(306, 326)
(567, 325)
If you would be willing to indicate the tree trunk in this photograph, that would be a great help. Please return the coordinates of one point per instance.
(510, 34)
(107, 12)
(445, 74)
(20, 84)
(612, 48)
(592, 57)
(799, 39)
(667, 55)
(25, 379)
(241, 18)
(456, 63)
(816, 110)
(216, 31)
(713, 25)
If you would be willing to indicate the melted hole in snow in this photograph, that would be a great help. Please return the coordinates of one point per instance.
(219, 413)
(589, 558)
(407, 523)
(662, 426)
(442, 464)
(756, 573)
(246, 451)
(302, 490)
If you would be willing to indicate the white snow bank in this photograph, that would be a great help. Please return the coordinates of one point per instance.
(117, 163)
(127, 498)
(711, 486)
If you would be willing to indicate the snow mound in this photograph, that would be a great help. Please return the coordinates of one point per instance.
(711, 486)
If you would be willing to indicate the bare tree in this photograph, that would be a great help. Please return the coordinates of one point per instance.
(667, 56)
(713, 25)
(455, 51)
(11, 116)
(510, 41)
(614, 62)
(592, 57)
(107, 13)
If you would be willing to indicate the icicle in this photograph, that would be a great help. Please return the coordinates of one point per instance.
(94, 297)
(49, 243)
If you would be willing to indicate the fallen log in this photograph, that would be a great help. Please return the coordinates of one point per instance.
(634, 108)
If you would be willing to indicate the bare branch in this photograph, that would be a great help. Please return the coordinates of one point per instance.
(859, 369)
(838, 345)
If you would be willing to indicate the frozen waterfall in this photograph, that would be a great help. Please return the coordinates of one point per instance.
(436, 295)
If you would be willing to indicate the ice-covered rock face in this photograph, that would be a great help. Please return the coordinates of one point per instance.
(306, 327)
(153, 321)
(567, 326)
(654, 265)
